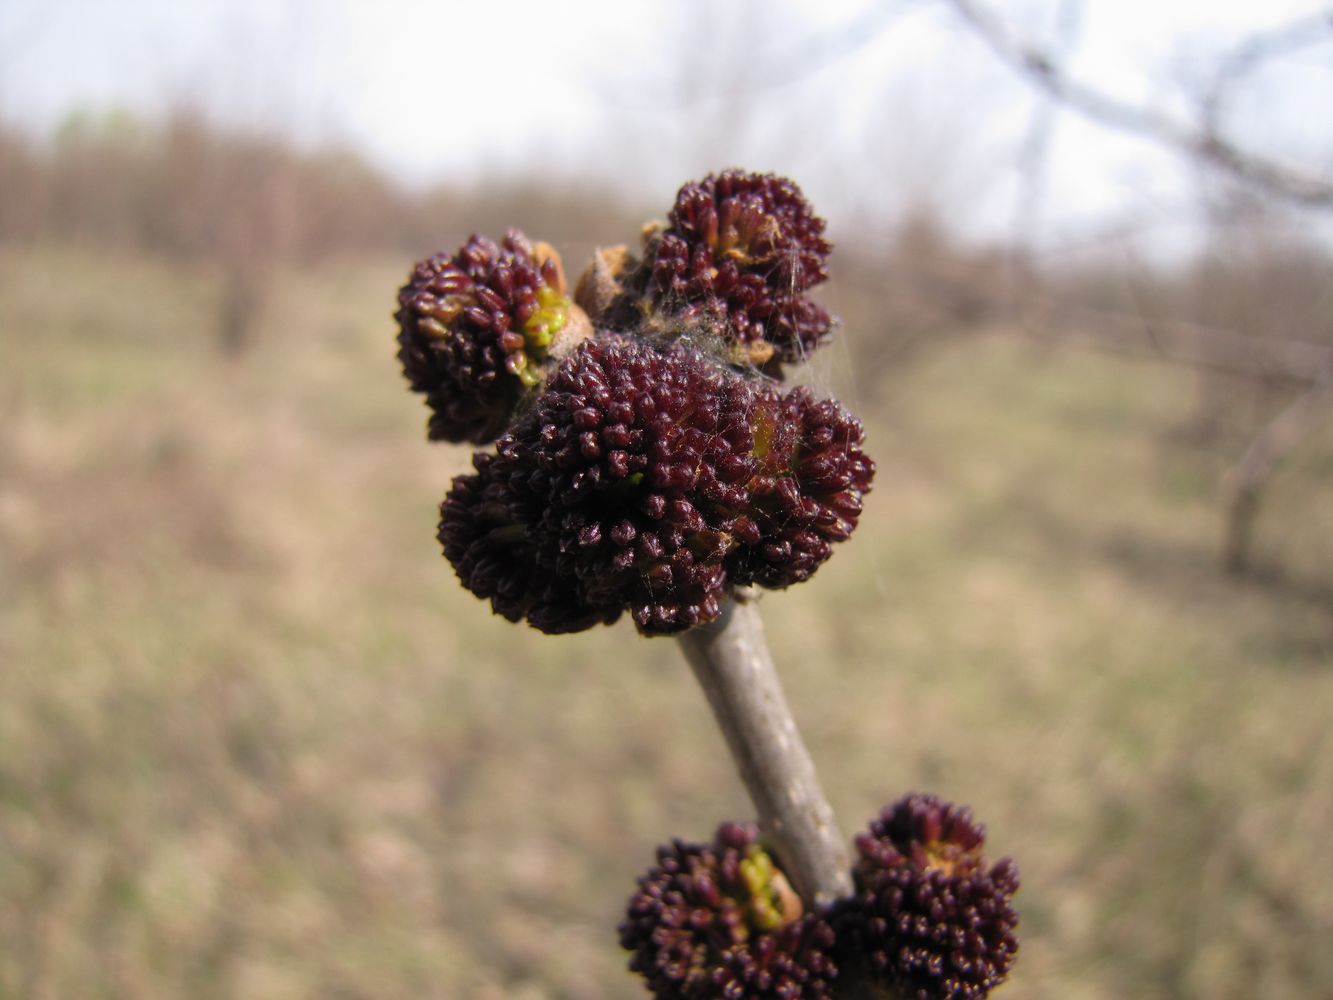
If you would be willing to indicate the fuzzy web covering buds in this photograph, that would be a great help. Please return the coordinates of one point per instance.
(473, 330)
(738, 254)
(651, 481)
(930, 917)
(720, 921)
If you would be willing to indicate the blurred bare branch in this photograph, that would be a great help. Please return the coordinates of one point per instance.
(795, 57)
(1253, 52)
(812, 55)
(1258, 343)
(1032, 161)
(1198, 139)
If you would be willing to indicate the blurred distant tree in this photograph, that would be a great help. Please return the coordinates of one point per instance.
(1249, 284)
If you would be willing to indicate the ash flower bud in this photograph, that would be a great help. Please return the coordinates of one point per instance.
(652, 481)
(483, 536)
(807, 494)
(931, 919)
(720, 920)
(739, 252)
(476, 330)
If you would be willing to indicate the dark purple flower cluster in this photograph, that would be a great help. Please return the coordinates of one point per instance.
(930, 918)
(652, 480)
(738, 255)
(808, 488)
(473, 330)
(720, 921)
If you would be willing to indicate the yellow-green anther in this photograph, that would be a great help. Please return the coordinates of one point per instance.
(764, 914)
(547, 320)
(764, 905)
(523, 368)
(529, 375)
(761, 907)
(756, 870)
(752, 876)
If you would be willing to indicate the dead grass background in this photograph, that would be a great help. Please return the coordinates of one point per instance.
(256, 742)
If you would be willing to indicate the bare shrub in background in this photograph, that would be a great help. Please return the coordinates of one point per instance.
(240, 203)
(228, 200)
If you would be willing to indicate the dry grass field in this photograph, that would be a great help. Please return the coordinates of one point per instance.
(256, 743)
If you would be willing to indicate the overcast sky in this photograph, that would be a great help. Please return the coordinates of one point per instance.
(869, 104)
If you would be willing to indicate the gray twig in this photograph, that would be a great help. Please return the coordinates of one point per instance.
(731, 660)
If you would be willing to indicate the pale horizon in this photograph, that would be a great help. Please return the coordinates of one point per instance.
(872, 113)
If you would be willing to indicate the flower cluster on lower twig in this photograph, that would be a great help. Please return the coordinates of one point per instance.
(930, 915)
(720, 920)
(929, 920)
